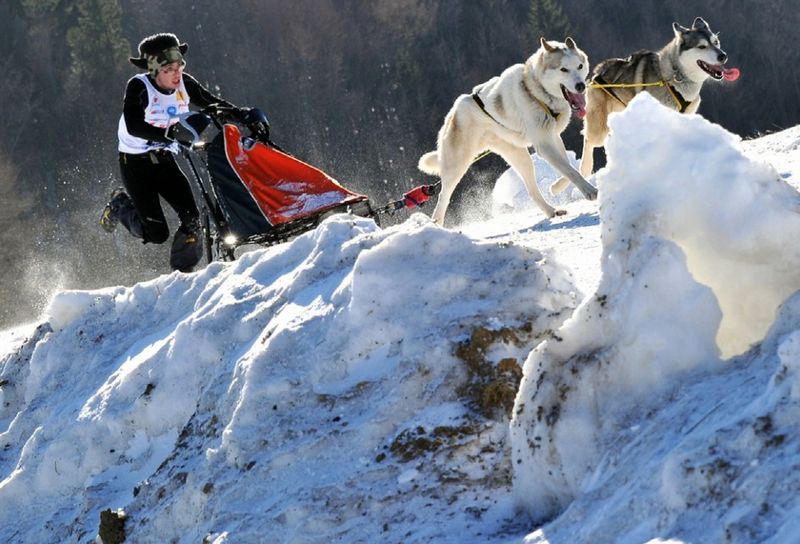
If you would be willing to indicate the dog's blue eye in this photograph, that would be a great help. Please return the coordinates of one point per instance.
(703, 47)
(564, 70)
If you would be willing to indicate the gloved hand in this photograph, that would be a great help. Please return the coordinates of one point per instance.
(176, 133)
(198, 121)
(226, 113)
(188, 128)
(256, 120)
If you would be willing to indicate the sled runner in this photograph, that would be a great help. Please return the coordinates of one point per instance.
(256, 193)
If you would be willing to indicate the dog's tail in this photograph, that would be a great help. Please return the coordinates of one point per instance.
(429, 163)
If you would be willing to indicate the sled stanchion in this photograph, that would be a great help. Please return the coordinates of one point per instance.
(200, 185)
(207, 236)
(212, 214)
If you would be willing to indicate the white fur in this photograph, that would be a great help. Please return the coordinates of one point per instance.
(517, 122)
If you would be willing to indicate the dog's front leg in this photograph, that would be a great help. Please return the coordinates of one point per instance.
(520, 160)
(556, 154)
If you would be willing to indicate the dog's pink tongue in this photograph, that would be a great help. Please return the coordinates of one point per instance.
(578, 103)
(730, 74)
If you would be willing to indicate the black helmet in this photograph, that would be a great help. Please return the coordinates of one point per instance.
(158, 50)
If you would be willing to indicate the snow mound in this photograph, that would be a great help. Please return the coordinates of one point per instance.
(734, 217)
(697, 256)
(314, 383)
(717, 448)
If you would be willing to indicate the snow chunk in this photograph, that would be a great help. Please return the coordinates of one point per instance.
(67, 306)
(698, 253)
(735, 218)
(649, 322)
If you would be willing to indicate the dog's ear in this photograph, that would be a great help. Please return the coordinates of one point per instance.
(570, 43)
(700, 24)
(547, 47)
(678, 29)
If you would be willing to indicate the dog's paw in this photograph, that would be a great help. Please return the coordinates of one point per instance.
(556, 213)
(591, 194)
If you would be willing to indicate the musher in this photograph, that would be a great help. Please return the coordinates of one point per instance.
(147, 149)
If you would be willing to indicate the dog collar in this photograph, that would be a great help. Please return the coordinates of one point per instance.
(545, 107)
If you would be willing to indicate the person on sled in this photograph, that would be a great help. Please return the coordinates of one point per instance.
(147, 148)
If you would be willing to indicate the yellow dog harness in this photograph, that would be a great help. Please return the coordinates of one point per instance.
(680, 101)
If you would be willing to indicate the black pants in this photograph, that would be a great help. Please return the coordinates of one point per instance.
(147, 177)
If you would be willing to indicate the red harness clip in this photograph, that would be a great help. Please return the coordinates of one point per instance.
(417, 196)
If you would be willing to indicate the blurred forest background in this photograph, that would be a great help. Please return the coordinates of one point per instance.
(358, 88)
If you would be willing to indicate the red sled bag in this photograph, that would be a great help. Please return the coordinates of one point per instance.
(260, 187)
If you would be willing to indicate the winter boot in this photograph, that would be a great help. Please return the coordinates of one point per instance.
(118, 201)
(187, 247)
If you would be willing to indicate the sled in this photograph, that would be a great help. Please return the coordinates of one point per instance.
(255, 193)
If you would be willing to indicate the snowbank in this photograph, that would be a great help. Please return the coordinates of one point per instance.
(697, 256)
(311, 388)
(735, 218)
(712, 462)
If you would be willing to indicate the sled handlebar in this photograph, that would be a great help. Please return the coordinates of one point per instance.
(252, 118)
(222, 114)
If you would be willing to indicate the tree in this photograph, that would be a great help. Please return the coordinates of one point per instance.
(547, 19)
(96, 44)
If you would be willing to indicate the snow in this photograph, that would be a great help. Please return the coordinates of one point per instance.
(629, 372)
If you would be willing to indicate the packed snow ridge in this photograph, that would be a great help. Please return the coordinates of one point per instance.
(697, 257)
(414, 384)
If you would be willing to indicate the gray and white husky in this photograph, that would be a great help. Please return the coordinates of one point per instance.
(529, 104)
(674, 76)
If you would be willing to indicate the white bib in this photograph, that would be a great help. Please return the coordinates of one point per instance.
(161, 111)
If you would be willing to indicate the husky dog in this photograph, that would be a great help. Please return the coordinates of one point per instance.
(675, 75)
(529, 104)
